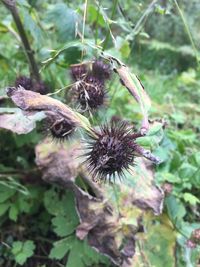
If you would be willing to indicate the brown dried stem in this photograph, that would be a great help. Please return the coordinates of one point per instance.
(11, 6)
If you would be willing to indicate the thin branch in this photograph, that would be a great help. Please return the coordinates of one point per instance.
(11, 6)
(111, 18)
(187, 31)
(147, 154)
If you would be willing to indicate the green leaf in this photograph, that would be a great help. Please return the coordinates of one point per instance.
(86, 255)
(31, 25)
(6, 193)
(75, 259)
(188, 197)
(169, 177)
(64, 225)
(61, 247)
(159, 244)
(94, 16)
(123, 46)
(80, 253)
(13, 212)
(176, 210)
(51, 202)
(186, 170)
(22, 250)
(4, 207)
(64, 206)
(66, 24)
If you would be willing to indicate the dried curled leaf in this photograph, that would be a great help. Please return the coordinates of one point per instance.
(57, 161)
(18, 122)
(105, 219)
(32, 101)
(98, 222)
(145, 194)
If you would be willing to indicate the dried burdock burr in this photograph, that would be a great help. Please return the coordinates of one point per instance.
(101, 70)
(78, 71)
(41, 87)
(24, 81)
(111, 151)
(89, 88)
(59, 129)
(90, 93)
(32, 85)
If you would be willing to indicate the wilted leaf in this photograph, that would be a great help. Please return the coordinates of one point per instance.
(145, 194)
(99, 219)
(32, 101)
(58, 161)
(19, 122)
(135, 87)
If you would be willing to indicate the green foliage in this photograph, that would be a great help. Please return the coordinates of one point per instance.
(86, 256)
(66, 24)
(22, 251)
(64, 223)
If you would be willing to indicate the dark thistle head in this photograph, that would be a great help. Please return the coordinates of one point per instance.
(25, 82)
(111, 152)
(89, 89)
(78, 71)
(32, 85)
(101, 70)
(59, 129)
(41, 87)
(90, 93)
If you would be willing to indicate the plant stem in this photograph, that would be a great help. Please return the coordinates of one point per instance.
(187, 31)
(83, 29)
(96, 25)
(11, 6)
(111, 18)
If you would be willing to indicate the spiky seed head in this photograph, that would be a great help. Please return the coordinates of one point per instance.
(60, 129)
(111, 152)
(41, 87)
(90, 93)
(195, 236)
(78, 71)
(101, 70)
(25, 82)
(32, 85)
